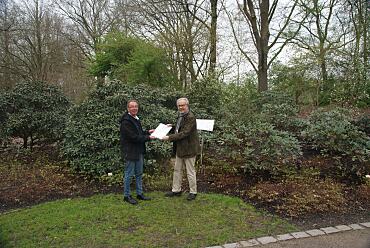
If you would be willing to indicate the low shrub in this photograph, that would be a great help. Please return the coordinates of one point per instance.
(35, 111)
(279, 109)
(363, 124)
(333, 134)
(257, 146)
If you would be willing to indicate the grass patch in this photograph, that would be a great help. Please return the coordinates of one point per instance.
(106, 221)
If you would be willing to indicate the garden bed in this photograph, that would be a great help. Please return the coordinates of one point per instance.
(30, 179)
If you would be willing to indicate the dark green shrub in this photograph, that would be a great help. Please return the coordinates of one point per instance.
(205, 98)
(363, 124)
(257, 146)
(92, 134)
(34, 110)
(280, 110)
(333, 133)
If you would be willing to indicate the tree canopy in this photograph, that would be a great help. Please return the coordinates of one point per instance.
(131, 60)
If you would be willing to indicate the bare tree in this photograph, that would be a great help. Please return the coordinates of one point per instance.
(360, 19)
(211, 11)
(323, 34)
(175, 25)
(90, 21)
(8, 26)
(319, 36)
(33, 47)
(269, 33)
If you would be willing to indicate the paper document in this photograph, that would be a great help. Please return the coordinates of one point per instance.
(205, 124)
(161, 131)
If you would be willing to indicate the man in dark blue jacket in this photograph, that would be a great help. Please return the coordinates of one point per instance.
(133, 139)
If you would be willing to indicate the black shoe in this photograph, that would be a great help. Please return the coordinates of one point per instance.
(191, 197)
(144, 198)
(172, 194)
(130, 200)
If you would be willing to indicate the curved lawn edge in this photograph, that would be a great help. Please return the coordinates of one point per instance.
(106, 221)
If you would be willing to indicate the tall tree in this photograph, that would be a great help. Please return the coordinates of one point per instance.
(34, 47)
(360, 18)
(8, 25)
(90, 21)
(176, 26)
(268, 38)
(322, 35)
(211, 12)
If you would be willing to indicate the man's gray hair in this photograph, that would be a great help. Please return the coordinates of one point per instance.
(182, 99)
(130, 101)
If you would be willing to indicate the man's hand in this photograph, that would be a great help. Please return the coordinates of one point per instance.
(151, 131)
(152, 137)
(165, 138)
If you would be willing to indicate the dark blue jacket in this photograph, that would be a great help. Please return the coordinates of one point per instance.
(133, 137)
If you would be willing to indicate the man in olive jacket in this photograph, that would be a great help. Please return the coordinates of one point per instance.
(133, 139)
(186, 146)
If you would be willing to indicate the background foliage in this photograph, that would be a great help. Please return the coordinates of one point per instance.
(34, 110)
(131, 60)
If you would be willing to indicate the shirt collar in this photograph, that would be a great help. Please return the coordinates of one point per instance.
(136, 117)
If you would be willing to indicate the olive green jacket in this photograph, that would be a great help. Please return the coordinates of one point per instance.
(186, 141)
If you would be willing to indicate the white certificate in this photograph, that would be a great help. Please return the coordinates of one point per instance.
(161, 131)
(205, 124)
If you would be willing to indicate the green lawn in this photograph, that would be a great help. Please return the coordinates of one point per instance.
(107, 221)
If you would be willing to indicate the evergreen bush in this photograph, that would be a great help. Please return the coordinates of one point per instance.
(333, 133)
(91, 142)
(259, 147)
(35, 111)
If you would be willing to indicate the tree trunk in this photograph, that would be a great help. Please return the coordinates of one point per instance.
(262, 77)
(213, 38)
(324, 71)
(365, 44)
(263, 47)
(25, 142)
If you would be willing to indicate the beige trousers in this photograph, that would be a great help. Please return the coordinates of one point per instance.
(190, 171)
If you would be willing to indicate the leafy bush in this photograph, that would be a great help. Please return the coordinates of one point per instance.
(363, 124)
(34, 110)
(92, 134)
(280, 110)
(258, 146)
(333, 133)
(205, 98)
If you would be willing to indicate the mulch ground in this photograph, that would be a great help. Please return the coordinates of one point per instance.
(28, 180)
